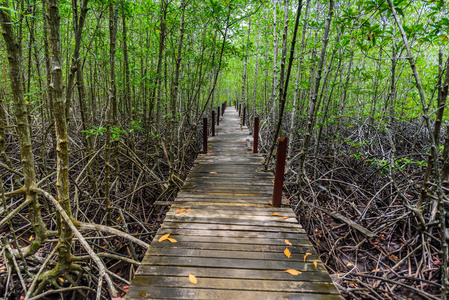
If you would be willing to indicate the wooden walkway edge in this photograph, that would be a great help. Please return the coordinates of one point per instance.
(228, 236)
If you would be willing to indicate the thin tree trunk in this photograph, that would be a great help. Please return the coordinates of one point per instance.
(313, 98)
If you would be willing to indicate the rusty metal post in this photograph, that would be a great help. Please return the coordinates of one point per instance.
(280, 168)
(213, 123)
(218, 115)
(244, 115)
(205, 135)
(256, 135)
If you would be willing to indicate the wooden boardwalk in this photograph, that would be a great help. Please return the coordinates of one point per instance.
(229, 236)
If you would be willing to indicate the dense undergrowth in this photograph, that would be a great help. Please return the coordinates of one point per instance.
(357, 204)
(134, 190)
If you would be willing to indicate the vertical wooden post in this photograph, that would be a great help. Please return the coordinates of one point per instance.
(205, 135)
(244, 115)
(218, 115)
(213, 123)
(240, 109)
(280, 167)
(222, 109)
(256, 135)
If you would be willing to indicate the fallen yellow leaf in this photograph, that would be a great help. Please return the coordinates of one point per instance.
(305, 256)
(292, 271)
(172, 240)
(315, 263)
(61, 279)
(187, 211)
(164, 237)
(287, 201)
(31, 238)
(179, 211)
(193, 279)
(212, 172)
(275, 214)
(285, 218)
(287, 252)
(288, 243)
(349, 265)
(118, 218)
(375, 270)
(271, 202)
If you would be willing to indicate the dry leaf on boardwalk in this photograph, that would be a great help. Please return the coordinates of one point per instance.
(292, 271)
(271, 202)
(288, 243)
(212, 172)
(187, 211)
(315, 263)
(179, 211)
(172, 240)
(193, 279)
(275, 214)
(287, 252)
(285, 218)
(164, 237)
(305, 256)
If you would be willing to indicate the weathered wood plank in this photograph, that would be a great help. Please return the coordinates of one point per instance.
(236, 284)
(146, 292)
(231, 273)
(279, 265)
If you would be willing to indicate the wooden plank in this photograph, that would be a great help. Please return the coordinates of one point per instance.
(236, 284)
(150, 270)
(229, 233)
(253, 228)
(276, 265)
(195, 212)
(145, 292)
(235, 240)
(213, 253)
(236, 247)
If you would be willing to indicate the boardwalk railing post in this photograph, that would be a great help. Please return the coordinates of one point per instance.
(205, 135)
(218, 115)
(280, 167)
(222, 109)
(244, 115)
(240, 109)
(256, 135)
(213, 123)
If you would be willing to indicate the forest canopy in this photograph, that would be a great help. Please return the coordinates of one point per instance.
(101, 103)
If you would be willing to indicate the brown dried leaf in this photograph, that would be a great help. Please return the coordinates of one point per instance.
(164, 237)
(179, 211)
(172, 240)
(288, 243)
(187, 211)
(284, 218)
(315, 263)
(287, 253)
(292, 272)
(193, 279)
(307, 254)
